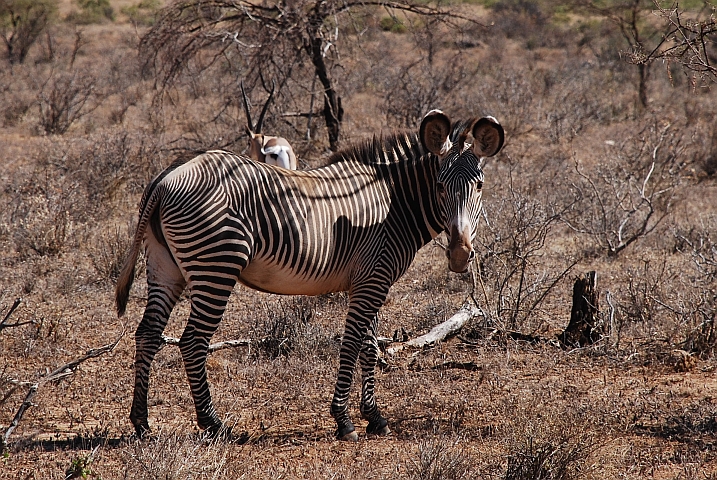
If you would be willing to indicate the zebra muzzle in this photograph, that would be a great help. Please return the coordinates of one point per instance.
(459, 252)
(459, 259)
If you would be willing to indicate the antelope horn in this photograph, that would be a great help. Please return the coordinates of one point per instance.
(246, 108)
(266, 106)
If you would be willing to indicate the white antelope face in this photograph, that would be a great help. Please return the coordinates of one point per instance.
(459, 186)
(265, 148)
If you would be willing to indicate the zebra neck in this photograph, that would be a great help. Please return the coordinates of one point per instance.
(414, 207)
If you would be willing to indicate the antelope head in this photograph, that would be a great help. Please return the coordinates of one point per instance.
(265, 148)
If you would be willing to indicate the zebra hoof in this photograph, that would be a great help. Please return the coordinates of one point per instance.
(382, 432)
(379, 428)
(240, 439)
(219, 432)
(142, 430)
(350, 437)
(347, 433)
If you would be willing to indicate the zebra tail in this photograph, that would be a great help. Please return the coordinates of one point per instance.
(126, 277)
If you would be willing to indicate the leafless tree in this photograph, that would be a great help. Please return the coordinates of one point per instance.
(264, 40)
(689, 41)
(21, 24)
(632, 191)
(629, 17)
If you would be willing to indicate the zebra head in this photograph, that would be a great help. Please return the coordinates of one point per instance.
(459, 183)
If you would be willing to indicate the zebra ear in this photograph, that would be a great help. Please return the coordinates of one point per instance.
(488, 137)
(435, 128)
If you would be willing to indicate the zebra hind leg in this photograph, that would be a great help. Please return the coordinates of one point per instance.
(148, 339)
(208, 304)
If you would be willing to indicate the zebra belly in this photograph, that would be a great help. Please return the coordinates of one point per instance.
(272, 278)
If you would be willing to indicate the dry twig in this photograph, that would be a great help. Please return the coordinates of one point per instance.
(57, 374)
(4, 323)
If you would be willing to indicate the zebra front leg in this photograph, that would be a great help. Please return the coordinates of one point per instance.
(368, 357)
(350, 345)
(361, 318)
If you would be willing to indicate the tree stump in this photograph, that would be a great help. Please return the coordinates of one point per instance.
(585, 328)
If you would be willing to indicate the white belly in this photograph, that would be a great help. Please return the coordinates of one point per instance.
(269, 277)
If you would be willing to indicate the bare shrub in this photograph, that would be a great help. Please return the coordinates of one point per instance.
(64, 98)
(74, 183)
(521, 19)
(554, 459)
(109, 251)
(577, 81)
(287, 329)
(102, 166)
(16, 94)
(510, 94)
(670, 302)
(172, 456)
(21, 24)
(696, 306)
(427, 79)
(549, 445)
(440, 458)
(631, 190)
(515, 276)
(409, 95)
(534, 100)
(705, 158)
(42, 220)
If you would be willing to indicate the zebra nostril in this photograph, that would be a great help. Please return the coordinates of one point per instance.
(471, 255)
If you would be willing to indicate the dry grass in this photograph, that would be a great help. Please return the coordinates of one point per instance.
(638, 404)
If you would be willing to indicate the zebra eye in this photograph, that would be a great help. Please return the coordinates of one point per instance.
(479, 185)
(440, 188)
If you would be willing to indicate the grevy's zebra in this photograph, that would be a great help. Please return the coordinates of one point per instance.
(353, 226)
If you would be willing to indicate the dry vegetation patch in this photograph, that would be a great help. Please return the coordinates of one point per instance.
(589, 179)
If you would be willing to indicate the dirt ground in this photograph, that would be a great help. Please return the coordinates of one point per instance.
(584, 167)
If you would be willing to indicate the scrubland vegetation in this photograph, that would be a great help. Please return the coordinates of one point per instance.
(608, 166)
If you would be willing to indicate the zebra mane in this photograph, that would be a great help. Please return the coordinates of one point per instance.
(460, 131)
(382, 149)
(395, 147)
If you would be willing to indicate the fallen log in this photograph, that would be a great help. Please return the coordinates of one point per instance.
(240, 342)
(440, 332)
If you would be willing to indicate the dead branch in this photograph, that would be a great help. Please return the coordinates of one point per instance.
(4, 323)
(57, 374)
(241, 342)
(685, 42)
(300, 114)
(440, 332)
